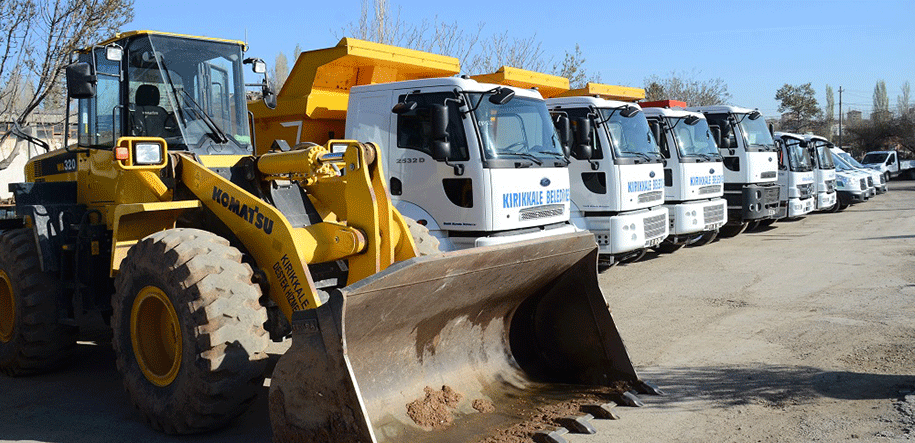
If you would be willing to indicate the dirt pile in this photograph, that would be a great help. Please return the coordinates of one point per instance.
(434, 410)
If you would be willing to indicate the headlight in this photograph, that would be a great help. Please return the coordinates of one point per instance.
(840, 182)
(147, 153)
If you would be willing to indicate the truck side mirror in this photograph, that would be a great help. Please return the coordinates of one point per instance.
(502, 96)
(403, 107)
(441, 147)
(564, 128)
(772, 130)
(581, 149)
(81, 81)
(716, 134)
(269, 98)
(655, 131)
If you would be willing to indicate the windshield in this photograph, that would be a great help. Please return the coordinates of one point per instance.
(875, 158)
(798, 156)
(521, 127)
(841, 164)
(824, 159)
(629, 136)
(755, 132)
(187, 91)
(850, 160)
(695, 140)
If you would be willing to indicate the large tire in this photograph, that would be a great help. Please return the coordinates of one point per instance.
(887, 176)
(31, 338)
(727, 231)
(704, 239)
(426, 243)
(188, 331)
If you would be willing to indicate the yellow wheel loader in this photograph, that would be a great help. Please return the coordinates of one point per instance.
(161, 222)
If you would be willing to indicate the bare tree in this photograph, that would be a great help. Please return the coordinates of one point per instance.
(280, 72)
(881, 102)
(902, 101)
(687, 87)
(572, 68)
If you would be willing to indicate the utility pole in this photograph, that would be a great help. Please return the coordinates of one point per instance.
(840, 118)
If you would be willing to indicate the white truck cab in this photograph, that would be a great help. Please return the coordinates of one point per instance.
(693, 172)
(750, 165)
(843, 165)
(825, 171)
(851, 185)
(478, 164)
(878, 178)
(616, 173)
(795, 176)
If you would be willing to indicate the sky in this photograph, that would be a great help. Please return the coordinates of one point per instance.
(754, 46)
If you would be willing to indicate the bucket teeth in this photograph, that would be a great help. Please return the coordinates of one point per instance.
(554, 436)
(579, 425)
(629, 398)
(648, 388)
(603, 411)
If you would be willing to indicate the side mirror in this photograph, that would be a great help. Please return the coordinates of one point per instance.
(269, 98)
(581, 149)
(403, 107)
(772, 130)
(502, 96)
(564, 128)
(81, 81)
(655, 131)
(441, 147)
(691, 120)
(630, 110)
(716, 134)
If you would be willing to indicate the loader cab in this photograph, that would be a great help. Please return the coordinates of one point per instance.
(188, 91)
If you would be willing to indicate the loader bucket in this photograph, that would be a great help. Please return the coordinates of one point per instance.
(508, 327)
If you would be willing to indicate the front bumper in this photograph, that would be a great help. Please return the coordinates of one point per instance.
(825, 200)
(692, 217)
(628, 232)
(800, 208)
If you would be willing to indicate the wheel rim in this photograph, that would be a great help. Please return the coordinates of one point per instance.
(156, 336)
(7, 308)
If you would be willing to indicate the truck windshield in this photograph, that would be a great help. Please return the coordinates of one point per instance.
(798, 156)
(875, 158)
(187, 91)
(630, 136)
(841, 164)
(695, 140)
(755, 132)
(520, 128)
(824, 159)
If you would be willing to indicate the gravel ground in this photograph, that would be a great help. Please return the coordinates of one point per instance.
(800, 333)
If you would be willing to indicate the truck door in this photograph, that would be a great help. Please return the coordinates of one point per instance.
(452, 191)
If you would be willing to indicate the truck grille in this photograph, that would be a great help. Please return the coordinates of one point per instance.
(654, 226)
(806, 190)
(771, 195)
(863, 184)
(713, 214)
(541, 212)
(713, 189)
(870, 182)
(830, 186)
(767, 174)
(650, 196)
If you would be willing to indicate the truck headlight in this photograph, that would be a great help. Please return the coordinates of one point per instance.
(147, 153)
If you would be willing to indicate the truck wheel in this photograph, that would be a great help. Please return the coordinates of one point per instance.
(732, 230)
(426, 243)
(31, 338)
(886, 175)
(706, 238)
(669, 247)
(188, 331)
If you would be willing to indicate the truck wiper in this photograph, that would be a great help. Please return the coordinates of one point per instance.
(525, 156)
(640, 154)
(215, 131)
(555, 154)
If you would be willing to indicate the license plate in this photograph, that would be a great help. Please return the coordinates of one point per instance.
(653, 242)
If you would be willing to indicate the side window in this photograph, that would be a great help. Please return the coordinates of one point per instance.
(414, 128)
(100, 116)
(596, 146)
(728, 134)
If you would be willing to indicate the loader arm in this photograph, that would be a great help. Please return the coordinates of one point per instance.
(373, 237)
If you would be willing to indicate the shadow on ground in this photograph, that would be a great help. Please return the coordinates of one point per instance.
(774, 386)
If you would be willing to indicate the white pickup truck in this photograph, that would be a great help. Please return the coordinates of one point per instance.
(889, 164)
